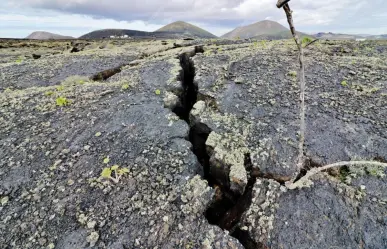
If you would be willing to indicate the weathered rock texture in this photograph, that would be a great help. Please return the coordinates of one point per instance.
(237, 106)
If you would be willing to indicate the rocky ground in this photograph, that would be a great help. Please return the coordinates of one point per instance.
(188, 144)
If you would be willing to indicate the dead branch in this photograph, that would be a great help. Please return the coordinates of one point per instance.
(305, 180)
(300, 159)
(310, 43)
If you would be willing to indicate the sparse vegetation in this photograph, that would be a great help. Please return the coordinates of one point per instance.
(376, 171)
(60, 88)
(306, 40)
(62, 101)
(293, 74)
(107, 173)
(49, 93)
(344, 83)
(19, 60)
(207, 52)
(125, 86)
(106, 160)
(74, 80)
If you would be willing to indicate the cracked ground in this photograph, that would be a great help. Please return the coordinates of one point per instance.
(208, 133)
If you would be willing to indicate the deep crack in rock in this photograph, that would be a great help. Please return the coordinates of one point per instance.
(188, 96)
(227, 207)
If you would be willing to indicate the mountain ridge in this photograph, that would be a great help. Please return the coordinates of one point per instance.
(175, 30)
(186, 28)
(265, 27)
(44, 35)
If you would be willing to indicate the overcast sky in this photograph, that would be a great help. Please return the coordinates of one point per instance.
(18, 18)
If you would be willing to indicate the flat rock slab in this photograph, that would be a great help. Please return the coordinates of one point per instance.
(52, 157)
(254, 92)
(328, 215)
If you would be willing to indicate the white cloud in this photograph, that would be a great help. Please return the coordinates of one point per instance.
(67, 24)
(217, 16)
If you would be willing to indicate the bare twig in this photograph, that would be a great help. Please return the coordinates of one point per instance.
(304, 181)
(310, 43)
(300, 159)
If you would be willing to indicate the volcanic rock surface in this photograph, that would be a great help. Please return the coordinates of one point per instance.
(208, 133)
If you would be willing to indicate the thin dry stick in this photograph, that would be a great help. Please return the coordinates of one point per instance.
(304, 181)
(300, 159)
(310, 43)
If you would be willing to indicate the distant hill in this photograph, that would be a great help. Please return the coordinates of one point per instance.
(256, 29)
(175, 30)
(107, 33)
(337, 36)
(186, 29)
(280, 35)
(377, 37)
(42, 35)
(334, 36)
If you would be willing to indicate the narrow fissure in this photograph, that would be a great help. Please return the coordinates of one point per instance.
(227, 208)
(106, 74)
(189, 93)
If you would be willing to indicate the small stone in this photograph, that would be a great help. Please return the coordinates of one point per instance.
(65, 151)
(170, 100)
(82, 219)
(239, 81)
(42, 241)
(51, 246)
(70, 182)
(87, 147)
(91, 224)
(36, 56)
(93, 238)
(98, 134)
(198, 108)
(4, 200)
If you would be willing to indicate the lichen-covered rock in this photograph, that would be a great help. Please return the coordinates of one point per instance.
(59, 131)
(344, 122)
(197, 109)
(52, 155)
(258, 219)
(196, 196)
(227, 160)
(170, 100)
(328, 214)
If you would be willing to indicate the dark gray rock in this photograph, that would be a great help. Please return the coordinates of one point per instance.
(329, 214)
(56, 141)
